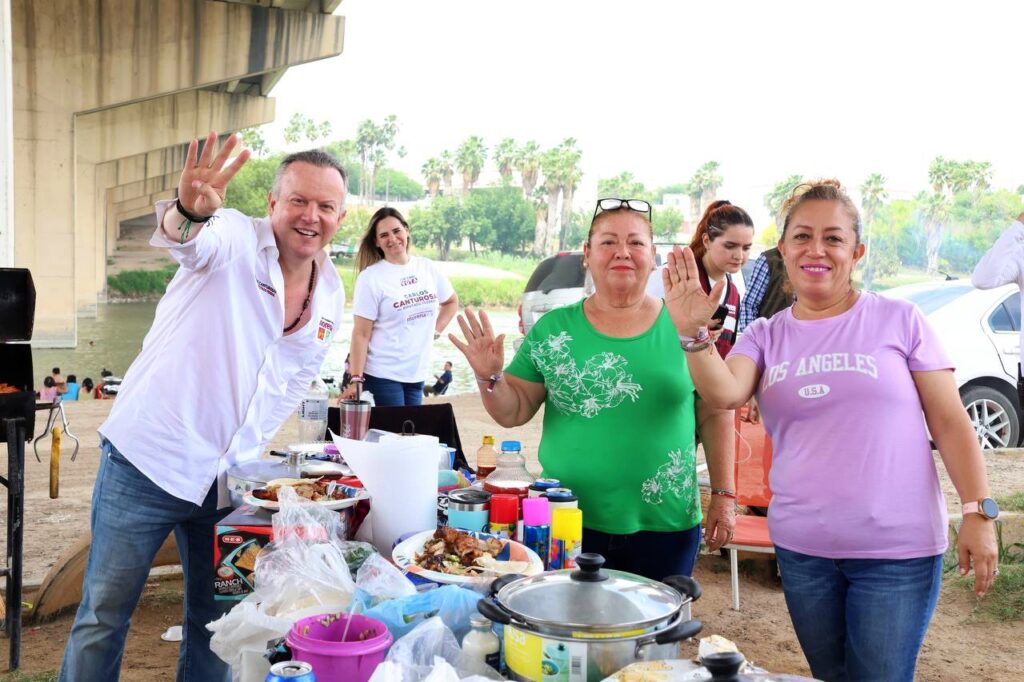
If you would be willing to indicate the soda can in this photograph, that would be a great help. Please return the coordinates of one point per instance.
(291, 671)
(542, 485)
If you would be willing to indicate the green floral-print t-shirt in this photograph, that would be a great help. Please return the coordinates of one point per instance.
(618, 421)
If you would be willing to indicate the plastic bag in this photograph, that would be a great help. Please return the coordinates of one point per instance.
(453, 604)
(240, 639)
(303, 570)
(430, 653)
(379, 580)
(301, 573)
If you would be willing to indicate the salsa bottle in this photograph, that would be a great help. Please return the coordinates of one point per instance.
(486, 458)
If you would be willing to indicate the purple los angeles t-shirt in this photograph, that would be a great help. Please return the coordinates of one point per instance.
(852, 471)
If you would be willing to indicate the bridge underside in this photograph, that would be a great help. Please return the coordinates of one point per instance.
(107, 94)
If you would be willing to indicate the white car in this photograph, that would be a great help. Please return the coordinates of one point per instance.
(981, 331)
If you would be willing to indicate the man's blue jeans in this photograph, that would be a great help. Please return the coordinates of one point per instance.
(131, 518)
(860, 619)
(390, 393)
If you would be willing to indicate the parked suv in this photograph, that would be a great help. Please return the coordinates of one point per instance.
(557, 281)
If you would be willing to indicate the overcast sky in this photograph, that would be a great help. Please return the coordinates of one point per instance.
(767, 89)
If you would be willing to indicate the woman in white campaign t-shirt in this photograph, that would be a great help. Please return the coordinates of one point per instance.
(400, 305)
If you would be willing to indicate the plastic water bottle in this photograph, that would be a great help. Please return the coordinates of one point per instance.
(313, 413)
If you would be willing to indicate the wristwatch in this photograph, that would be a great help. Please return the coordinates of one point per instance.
(986, 507)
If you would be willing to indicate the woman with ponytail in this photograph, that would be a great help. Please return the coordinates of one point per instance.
(721, 246)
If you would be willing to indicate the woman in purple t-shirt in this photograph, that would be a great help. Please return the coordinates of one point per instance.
(842, 378)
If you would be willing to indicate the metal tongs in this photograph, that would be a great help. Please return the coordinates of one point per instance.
(57, 407)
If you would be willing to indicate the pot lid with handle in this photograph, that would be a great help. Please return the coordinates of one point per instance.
(591, 598)
(725, 667)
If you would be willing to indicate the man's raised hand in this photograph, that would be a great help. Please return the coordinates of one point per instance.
(204, 180)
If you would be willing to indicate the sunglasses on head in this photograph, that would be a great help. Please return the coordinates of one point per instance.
(613, 204)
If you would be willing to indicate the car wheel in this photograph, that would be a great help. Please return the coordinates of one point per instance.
(993, 416)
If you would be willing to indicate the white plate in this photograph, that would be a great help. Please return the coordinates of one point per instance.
(404, 556)
(356, 493)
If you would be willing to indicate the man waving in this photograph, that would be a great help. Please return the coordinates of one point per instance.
(240, 333)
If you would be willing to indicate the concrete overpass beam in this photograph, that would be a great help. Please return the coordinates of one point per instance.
(127, 131)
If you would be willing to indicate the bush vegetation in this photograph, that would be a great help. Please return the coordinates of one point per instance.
(141, 283)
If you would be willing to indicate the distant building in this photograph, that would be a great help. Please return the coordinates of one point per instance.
(680, 201)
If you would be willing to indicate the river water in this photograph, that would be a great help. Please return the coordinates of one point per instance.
(113, 338)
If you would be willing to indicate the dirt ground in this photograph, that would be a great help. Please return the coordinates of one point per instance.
(957, 647)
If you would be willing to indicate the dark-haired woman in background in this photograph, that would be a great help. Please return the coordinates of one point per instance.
(721, 246)
(400, 305)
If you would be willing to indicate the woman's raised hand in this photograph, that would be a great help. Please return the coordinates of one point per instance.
(688, 306)
(204, 180)
(484, 352)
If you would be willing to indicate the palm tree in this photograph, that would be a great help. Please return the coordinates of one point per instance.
(961, 176)
(539, 200)
(981, 175)
(383, 142)
(469, 159)
(505, 158)
(694, 191)
(527, 162)
(710, 181)
(774, 200)
(552, 167)
(432, 173)
(936, 209)
(447, 169)
(872, 194)
(571, 175)
(938, 174)
(366, 138)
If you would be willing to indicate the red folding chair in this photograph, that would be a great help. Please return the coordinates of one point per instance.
(753, 461)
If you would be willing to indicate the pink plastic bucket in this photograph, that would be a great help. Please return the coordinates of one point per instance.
(317, 640)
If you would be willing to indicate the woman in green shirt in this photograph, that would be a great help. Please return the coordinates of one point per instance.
(620, 408)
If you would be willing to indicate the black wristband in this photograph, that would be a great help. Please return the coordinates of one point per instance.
(189, 216)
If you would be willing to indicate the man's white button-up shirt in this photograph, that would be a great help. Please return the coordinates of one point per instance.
(216, 377)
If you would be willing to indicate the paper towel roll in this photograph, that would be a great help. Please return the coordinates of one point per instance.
(401, 477)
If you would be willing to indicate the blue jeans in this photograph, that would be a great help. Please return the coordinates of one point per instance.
(860, 619)
(652, 554)
(131, 517)
(388, 393)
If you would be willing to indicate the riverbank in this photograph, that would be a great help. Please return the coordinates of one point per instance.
(961, 643)
(140, 272)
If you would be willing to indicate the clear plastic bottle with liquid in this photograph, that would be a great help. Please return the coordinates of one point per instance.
(313, 413)
(486, 458)
(510, 475)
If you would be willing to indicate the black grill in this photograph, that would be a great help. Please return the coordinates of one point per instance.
(17, 422)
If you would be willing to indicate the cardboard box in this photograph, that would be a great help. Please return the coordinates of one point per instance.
(240, 536)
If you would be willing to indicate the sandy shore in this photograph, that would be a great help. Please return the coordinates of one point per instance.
(52, 526)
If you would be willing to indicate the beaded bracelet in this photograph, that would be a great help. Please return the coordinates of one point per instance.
(491, 380)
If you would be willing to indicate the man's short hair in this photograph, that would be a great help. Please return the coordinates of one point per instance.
(314, 157)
